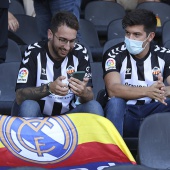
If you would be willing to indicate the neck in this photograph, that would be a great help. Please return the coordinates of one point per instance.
(53, 55)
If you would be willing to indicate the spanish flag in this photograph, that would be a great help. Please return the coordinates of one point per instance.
(73, 141)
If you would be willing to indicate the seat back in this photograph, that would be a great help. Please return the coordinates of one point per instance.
(161, 10)
(89, 33)
(90, 36)
(16, 7)
(158, 8)
(13, 52)
(154, 137)
(97, 77)
(8, 77)
(101, 13)
(115, 29)
(165, 32)
(167, 44)
(128, 167)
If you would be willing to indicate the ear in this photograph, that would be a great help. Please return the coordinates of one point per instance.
(50, 34)
(151, 36)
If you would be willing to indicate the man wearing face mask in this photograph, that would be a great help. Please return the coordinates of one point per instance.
(134, 74)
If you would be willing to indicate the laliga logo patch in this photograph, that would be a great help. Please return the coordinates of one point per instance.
(156, 71)
(110, 64)
(22, 75)
(39, 140)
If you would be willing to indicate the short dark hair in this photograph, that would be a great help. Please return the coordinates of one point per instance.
(140, 17)
(64, 18)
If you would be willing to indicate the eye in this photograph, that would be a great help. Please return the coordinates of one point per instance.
(63, 40)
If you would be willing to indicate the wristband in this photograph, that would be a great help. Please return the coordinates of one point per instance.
(48, 88)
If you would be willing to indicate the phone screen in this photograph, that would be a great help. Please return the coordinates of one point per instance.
(79, 75)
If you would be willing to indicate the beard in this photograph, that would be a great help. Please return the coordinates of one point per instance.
(57, 51)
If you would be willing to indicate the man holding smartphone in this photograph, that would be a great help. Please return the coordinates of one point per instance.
(45, 86)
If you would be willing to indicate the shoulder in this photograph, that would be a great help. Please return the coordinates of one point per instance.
(80, 51)
(116, 49)
(35, 48)
(160, 51)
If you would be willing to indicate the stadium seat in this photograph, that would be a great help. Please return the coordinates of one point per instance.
(167, 44)
(8, 77)
(154, 137)
(128, 167)
(97, 77)
(115, 29)
(13, 52)
(161, 10)
(101, 13)
(165, 32)
(90, 36)
(28, 31)
(15, 7)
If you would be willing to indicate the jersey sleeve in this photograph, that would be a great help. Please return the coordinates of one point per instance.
(167, 64)
(84, 62)
(28, 69)
(112, 59)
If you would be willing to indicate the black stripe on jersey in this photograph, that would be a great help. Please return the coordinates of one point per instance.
(128, 73)
(56, 107)
(41, 103)
(43, 66)
(140, 70)
(140, 102)
(57, 73)
(154, 63)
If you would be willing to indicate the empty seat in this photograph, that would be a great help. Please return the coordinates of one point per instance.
(115, 29)
(16, 7)
(128, 167)
(161, 10)
(101, 13)
(165, 32)
(27, 31)
(154, 137)
(97, 77)
(8, 77)
(90, 36)
(13, 52)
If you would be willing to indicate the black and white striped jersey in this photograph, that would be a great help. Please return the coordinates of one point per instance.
(137, 72)
(38, 68)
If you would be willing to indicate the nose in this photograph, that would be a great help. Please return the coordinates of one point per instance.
(67, 46)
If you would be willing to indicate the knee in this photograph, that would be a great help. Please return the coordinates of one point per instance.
(29, 108)
(114, 101)
(95, 107)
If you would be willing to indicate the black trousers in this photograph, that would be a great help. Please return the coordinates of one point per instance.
(3, 33)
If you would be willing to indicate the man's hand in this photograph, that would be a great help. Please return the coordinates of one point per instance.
(58, 87)
(157, 90)
(78, 87)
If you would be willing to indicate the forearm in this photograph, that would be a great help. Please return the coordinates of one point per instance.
(88, 95)
(127, 92)
(31, 93)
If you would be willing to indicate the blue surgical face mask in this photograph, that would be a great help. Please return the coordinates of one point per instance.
(135, 47)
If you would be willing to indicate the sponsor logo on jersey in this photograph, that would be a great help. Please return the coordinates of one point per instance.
(22, 75)
(155, 71)
(70, 70)
(47, 140)
(110, 64)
